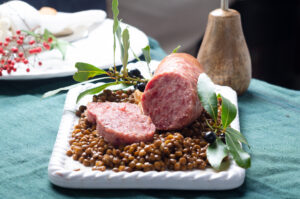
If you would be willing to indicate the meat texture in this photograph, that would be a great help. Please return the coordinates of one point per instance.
(120, 123)
(170, 97)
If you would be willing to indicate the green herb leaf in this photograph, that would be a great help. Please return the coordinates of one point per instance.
(228, 112)
(216, 152)
(237, 135)
(146, 53)
(175, 50)
(241, 157)
(126, 45)
(115, 12)
(86, 71)
(62, 46)
(207, 95)
(225, 164)
(121, 86)
(135, 56)
(30, 33)
(119, 36)
(46, 34)
(114, 50)
(96, 90)
(54, 92)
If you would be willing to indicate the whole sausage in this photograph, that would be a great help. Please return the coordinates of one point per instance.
(170, 97)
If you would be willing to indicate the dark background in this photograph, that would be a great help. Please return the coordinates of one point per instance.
(272, 32)
(271, 28)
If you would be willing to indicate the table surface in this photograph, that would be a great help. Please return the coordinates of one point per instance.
(269, 118)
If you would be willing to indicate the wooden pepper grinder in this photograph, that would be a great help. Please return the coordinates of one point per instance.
(224, 53)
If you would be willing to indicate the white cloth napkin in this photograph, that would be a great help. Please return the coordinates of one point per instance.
(23, 16)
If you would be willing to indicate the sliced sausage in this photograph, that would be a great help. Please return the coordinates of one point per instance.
(120, 123)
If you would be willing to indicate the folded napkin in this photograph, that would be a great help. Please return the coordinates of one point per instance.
(18, 15)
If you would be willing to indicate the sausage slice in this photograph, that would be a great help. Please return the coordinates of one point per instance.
(120, 123)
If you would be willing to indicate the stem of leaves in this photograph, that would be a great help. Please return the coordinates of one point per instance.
(217, 151)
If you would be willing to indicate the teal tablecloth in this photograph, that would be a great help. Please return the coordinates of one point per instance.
(269, 116)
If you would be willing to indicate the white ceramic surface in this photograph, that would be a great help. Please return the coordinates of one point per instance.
(23, 16)
(62, 168)
(96, 49)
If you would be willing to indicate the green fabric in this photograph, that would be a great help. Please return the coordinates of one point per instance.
(269, 117)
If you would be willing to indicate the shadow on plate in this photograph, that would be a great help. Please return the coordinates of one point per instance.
(143, 193)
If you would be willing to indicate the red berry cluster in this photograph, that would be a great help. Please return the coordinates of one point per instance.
(15, 49)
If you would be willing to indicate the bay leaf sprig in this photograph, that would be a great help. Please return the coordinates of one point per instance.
(87, 71)
(218, 150)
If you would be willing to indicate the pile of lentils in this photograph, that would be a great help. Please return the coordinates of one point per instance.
(173, 150)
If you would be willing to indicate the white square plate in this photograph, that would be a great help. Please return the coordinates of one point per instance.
(62, 168)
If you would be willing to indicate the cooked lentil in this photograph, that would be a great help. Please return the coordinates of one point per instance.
(173, 150)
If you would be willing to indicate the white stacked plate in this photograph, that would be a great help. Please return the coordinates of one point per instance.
(96, 48)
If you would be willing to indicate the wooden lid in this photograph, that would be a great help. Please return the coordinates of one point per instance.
(48, 11)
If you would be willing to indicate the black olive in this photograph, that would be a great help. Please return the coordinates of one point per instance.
(82, 108)
(222, 136)
(141, 86)
(78, 113)
(210, 137)
(134, 73)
